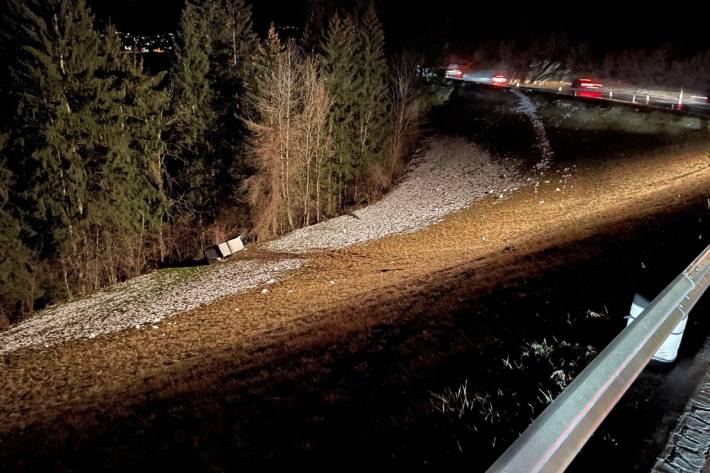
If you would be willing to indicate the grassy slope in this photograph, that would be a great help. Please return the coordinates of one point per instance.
(326, 371)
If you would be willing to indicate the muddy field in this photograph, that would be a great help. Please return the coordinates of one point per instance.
(347, 362)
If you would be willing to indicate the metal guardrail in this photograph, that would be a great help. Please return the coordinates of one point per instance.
(552, 441)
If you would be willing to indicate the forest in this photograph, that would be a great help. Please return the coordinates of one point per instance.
(109, 169)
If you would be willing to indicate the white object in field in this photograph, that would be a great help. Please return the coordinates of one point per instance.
(235, 245)
(669, 350)
(224, 249)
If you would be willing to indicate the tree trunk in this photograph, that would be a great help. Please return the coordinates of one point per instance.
(289, 88)
(318, 172)
(66, 278)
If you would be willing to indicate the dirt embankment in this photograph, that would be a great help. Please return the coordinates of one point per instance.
(178, 380)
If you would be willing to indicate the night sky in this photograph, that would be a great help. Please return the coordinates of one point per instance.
(467, 24)
(163, 15)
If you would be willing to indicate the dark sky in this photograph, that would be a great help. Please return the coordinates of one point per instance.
(163, 15)
(466, 23)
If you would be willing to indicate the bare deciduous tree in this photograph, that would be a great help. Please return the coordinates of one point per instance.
(408, 107)
(290, 142)
(314, 138)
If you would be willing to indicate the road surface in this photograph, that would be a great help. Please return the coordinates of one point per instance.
(675, 100)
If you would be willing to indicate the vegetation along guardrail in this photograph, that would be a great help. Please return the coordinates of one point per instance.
(552, 441)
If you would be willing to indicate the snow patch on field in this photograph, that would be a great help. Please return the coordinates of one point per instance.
(449, 176)
(527, 107)
(141, 301)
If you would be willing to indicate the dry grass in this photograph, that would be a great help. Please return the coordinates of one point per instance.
(340, 296)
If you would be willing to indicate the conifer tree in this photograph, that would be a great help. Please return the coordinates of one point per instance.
(193, 94)
(267, 53)
(56, 132)
(235, 40)
(212, 74)
(192, 114)
(83, 147)
(316, 25)
(137, 125)
(15, 278)
(340, 57)
(14, 256)
(231, 76)
(373, 114)
(354, 55)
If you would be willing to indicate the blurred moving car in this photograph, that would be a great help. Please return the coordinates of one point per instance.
(499, 80)
(586, 87)
(454, 71)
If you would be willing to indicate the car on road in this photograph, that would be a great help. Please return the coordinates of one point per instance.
(499, 80)
(586, 87)
(454, 71)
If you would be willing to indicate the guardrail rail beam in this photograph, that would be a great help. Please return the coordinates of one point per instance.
(552, 441)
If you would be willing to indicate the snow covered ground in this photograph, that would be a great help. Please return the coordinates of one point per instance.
(141, 302)
(449, 176)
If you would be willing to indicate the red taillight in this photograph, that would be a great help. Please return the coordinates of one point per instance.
(589, 94)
